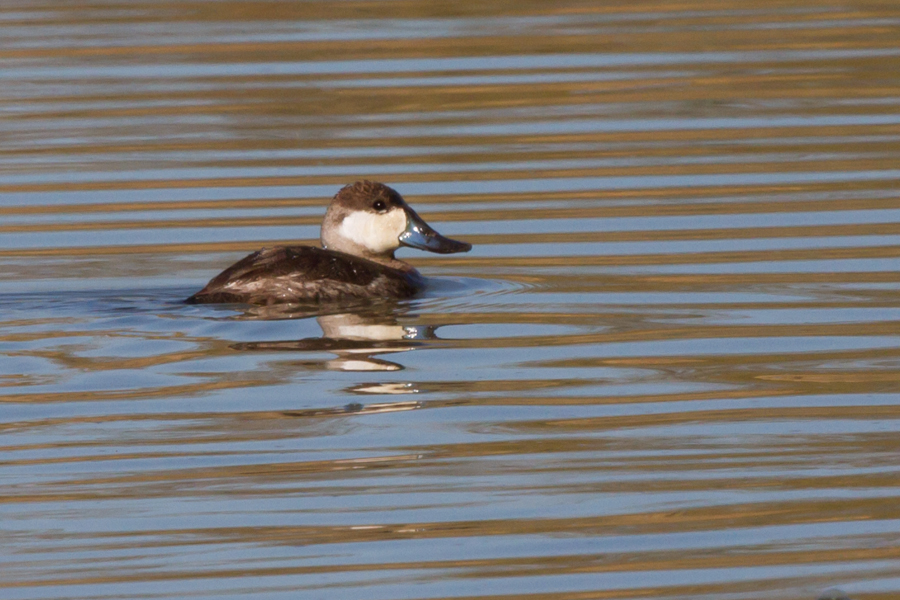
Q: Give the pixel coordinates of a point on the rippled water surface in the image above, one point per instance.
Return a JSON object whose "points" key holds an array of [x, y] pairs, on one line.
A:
{"points": [[668, 369]]}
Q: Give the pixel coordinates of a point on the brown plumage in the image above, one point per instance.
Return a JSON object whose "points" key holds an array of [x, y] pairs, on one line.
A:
{"points": [[304, 273]]}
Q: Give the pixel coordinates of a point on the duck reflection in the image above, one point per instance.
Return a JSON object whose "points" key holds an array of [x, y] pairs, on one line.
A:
{"points": [[354, 338]]}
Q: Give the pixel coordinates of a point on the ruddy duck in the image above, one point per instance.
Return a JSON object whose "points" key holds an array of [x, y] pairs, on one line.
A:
{"points": [[365, 223]]}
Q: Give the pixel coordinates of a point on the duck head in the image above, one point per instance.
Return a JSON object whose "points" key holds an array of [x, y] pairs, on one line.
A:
{"points": [[372, 220]]}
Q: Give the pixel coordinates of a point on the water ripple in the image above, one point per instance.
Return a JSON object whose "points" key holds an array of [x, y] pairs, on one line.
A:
{"points": [[668, 369]]}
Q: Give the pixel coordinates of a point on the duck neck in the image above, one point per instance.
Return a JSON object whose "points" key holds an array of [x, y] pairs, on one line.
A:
{"points": [[347, 247], [388, 260]]}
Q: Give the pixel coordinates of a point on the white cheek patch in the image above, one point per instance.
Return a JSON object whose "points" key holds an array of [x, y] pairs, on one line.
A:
{"points": [[377, 233]]}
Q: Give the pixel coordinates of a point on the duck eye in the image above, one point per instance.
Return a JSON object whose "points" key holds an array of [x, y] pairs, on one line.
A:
{"points": [[379, 205]]}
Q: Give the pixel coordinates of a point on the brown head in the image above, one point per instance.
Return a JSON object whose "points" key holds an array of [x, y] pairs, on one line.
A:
{"points": [[371, 220]]}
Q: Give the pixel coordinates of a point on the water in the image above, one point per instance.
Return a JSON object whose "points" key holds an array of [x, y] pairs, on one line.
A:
{"points": [[668, 369]]}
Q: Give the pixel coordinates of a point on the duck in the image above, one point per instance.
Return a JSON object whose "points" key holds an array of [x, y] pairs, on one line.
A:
{"points": [[364, 225]]}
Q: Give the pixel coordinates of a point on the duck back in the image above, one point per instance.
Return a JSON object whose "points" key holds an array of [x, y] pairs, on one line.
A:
{"points": [[306, 274]]}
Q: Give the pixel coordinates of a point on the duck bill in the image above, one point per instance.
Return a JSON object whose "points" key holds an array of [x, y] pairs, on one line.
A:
{"points": [[418, 234]]}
